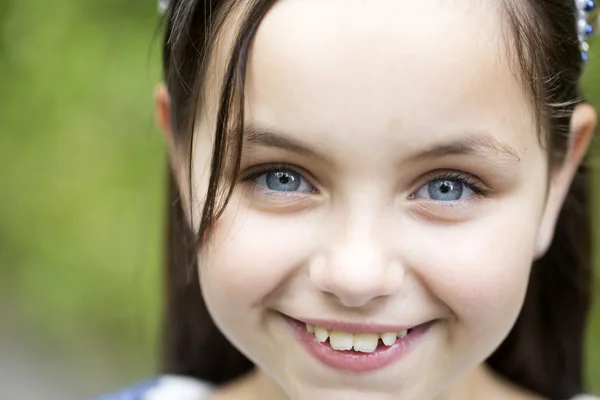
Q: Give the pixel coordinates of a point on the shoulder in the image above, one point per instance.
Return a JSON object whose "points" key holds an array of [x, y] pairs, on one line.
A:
{"points": [[166, 387]]}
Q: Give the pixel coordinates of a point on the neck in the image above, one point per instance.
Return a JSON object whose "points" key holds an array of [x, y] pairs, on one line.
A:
{"points": [[480, 383]]}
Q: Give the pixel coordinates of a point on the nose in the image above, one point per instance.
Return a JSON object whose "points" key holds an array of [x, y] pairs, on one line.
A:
{"points": [[356, 271]]}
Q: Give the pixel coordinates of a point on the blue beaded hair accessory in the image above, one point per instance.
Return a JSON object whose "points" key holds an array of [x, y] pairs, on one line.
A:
{"points": [[584, 28]]}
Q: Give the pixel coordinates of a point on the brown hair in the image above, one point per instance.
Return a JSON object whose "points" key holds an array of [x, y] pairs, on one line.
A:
{"points": [[544, 350]]}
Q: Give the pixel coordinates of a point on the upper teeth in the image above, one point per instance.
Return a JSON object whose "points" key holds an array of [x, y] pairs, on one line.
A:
{"points": [[363, 342]]}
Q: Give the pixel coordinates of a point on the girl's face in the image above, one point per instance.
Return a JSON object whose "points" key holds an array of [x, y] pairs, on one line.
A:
{"points": [[393, 198]]}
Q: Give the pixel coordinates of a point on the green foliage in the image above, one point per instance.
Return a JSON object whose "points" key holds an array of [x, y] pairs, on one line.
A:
{"points": [[591, 87], [82, 181]]}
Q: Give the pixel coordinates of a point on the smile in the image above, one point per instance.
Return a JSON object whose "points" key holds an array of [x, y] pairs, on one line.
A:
{"points": [[356, 347], [362, 342]]}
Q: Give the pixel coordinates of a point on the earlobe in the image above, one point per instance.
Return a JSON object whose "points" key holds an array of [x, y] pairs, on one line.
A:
{"points": [[542, 246]]}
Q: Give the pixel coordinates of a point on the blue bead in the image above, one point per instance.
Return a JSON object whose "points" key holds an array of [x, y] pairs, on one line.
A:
{"points": [[584, 56], [590, 5], [589, 29]]}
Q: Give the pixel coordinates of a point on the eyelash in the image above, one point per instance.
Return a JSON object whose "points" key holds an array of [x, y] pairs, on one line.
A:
{"points": [[258, 170], [473, 183]]}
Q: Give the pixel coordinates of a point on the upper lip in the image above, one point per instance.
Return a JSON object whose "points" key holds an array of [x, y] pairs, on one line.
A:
{"points": [[353, 327]]}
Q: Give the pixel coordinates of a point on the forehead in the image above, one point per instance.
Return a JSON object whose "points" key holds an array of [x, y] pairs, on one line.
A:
{"points": [[385, 66]]}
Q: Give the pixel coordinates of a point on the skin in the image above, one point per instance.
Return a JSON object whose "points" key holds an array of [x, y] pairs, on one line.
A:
{"points": [[361, 241]]}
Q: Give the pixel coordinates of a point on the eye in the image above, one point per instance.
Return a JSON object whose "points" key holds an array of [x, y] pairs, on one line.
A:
{"points": [[450, 187], [281, 179], [444, 190]]}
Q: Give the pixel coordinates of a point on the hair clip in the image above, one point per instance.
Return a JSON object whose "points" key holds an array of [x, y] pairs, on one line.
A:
{"points": [[162, 6], [584, 28]]}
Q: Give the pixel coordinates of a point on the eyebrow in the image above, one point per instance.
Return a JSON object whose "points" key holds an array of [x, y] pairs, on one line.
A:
{"points": [[254, 136], [481, 144]]}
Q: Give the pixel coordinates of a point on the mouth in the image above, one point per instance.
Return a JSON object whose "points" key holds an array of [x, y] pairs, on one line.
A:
{"points": [[358, 342], [355, 347]]}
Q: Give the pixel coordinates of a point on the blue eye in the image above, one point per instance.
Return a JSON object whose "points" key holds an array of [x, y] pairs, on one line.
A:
{"points": [[283, 180], [446, 189]]}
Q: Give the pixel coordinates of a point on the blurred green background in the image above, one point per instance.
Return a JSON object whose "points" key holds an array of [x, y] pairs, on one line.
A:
{"points": [[81, 196], [81, 192]]}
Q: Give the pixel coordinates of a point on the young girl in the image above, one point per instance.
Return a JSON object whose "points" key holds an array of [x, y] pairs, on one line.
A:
{"points": [[375, 200]]}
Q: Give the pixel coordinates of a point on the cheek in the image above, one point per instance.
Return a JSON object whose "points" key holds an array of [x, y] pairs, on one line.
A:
{"points": [[480, 269], [251, 255]]}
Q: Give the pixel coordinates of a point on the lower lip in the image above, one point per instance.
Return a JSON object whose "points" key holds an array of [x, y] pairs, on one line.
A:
{"points": [[350, 360]]}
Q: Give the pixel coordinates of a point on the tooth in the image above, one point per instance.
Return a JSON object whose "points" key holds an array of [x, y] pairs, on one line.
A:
{"points": [[388, 338], [321, 334], [340, 340], [403, 333], [365, 342], [310, 328]]}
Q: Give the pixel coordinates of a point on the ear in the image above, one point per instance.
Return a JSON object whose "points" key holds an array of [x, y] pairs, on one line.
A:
{"points": [[163, 120], [583, 125], [163, 112]]}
